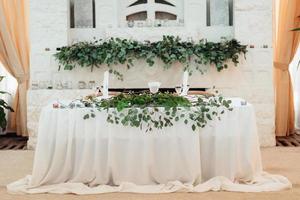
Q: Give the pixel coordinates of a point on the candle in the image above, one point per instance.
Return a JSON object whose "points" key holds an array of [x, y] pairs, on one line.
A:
{"points": [[105, 84], [185, 83], [185, 78]]}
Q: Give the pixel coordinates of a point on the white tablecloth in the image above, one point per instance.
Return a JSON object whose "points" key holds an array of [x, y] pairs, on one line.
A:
{"points": [[92, 156]]}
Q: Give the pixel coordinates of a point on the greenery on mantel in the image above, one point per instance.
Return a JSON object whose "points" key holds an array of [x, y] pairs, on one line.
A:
{"points": [[156, 111], [3, 107], [169, 50]]}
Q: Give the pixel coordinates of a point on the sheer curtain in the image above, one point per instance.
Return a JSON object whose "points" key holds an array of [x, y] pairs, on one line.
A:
{"points": [[14, 55], [295, 74], [285, 46], [8, 84]]}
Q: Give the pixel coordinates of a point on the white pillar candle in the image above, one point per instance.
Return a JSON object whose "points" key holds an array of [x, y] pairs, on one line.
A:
{"points": [[185, 82], [185, 78], [105, 84]]}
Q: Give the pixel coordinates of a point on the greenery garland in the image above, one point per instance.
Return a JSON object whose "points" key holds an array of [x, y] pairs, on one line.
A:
{"points": [[169, 50], [156, 111]]}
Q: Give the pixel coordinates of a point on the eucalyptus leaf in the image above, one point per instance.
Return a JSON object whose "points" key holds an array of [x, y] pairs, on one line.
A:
{"points": [[169, 50], [156, 111]]}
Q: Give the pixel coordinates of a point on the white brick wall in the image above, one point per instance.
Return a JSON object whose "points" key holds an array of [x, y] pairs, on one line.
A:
{"points": [[253, 25], [49, 22], [252, 79]]}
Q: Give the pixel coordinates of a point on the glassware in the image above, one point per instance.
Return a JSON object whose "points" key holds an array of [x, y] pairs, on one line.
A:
{"points": [[97, 91], [154, 87], [81, 85], [165, 22], [178, 89], [34, 85], [149, 23], [243, 103], [58, 85], [74, 41], [92, 84], [140, 24], [181, 22], [190, 39], [70, 85], [185, 90], [130, 24], [42, 84], [65, 85], [49, 85], [188, 88], [159, 23], [101, 89]]}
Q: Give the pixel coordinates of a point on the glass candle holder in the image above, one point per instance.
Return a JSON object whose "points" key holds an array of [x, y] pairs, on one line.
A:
{"points": [[81, 85], [130, 24], [70, 85], [49, 85], [154, 87], [58, 85], [92, 84], [178, 89], [34, 85]]}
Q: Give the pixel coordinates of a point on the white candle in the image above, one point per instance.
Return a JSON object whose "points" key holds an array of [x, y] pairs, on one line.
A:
{"points": [[105, 84], [185, 82], [185, 78]]}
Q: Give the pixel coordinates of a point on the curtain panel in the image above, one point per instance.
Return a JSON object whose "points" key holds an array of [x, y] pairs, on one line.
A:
{"points": [[14, 55], [285, 45]]}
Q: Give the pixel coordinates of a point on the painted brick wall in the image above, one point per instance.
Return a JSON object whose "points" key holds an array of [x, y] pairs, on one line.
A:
{"points": [[252, 79]]}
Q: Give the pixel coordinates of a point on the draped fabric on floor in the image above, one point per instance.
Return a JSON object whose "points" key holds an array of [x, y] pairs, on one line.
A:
{"points": [[286, 18], [92, 156], [14, 55]]}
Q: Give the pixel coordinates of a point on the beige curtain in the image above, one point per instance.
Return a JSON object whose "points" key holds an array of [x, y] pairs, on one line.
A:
{"points": [[285, 45], [14, 55]]}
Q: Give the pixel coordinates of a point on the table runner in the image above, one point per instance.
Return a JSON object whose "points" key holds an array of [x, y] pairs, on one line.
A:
{"points": [[92, 156]]}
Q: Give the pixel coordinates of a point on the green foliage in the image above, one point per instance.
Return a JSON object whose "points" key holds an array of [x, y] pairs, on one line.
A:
{"points": [[3, 106], [156, 111], [169, 50], [127, 100]]}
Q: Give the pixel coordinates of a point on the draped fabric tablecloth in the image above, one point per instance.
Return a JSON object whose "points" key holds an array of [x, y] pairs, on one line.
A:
{"points": [[92, 156]]}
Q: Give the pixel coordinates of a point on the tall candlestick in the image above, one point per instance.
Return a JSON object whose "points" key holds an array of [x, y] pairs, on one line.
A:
{"points": [[185, 83], [105, 84]]}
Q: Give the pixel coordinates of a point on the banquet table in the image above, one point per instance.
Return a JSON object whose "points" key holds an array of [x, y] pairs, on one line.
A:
{"points": [[92, 156]]}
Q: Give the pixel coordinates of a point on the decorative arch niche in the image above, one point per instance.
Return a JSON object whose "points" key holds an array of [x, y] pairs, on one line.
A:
{"points": [[151, 10]]}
